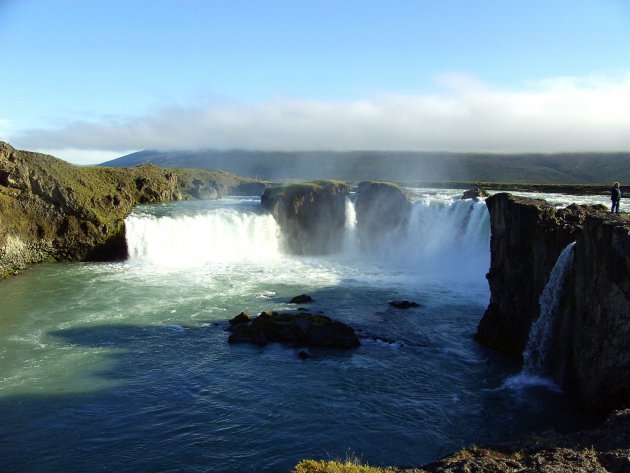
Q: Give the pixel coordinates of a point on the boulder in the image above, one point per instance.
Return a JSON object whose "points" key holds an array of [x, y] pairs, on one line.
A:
{"points": [[301, 299], [478, 193], [404, 304], [301, 329]]}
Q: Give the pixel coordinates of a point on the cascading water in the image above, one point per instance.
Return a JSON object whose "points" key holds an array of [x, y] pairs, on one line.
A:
{"points": [[536, 355], [219, 235], [446, 237], [537, 364]]}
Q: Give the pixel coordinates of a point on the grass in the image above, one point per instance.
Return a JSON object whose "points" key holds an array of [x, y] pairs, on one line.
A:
{"points": [[351, 464]]}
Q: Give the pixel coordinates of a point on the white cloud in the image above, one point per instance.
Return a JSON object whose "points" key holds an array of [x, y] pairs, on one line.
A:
{"points": [[560, 114]]}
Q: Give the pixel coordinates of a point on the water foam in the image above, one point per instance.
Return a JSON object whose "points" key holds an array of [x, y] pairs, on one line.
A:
{"points": [[220, 235], [538, 347], [537, 367], [441, 237]]}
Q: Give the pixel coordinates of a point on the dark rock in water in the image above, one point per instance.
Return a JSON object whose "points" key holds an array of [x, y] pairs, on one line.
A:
{"points": [[591, 332], [477, 194], [241, 318], [404, 304], [301, 299], [312, 215], [382, 210], [294, 329], [303, 355]]}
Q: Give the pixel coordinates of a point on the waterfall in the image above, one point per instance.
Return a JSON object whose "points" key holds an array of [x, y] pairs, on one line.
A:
{"points": [[350, 243], [218, 235], [441, 237], [539, 345]]}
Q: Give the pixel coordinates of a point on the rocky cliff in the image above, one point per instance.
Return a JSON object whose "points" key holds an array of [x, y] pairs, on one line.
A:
{"points": [[51, 210], [312, 215], [382, 210], [591, 339]]}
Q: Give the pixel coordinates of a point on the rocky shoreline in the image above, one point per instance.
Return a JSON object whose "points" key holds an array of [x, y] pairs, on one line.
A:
{"points": [[602, 450]]}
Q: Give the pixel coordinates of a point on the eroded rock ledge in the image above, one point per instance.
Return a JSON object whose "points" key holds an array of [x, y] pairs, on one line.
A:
{"points": [[591, 336], [51, 210]]}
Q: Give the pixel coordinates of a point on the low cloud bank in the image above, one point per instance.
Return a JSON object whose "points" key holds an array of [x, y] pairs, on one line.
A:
{"points": [[564, 114]]}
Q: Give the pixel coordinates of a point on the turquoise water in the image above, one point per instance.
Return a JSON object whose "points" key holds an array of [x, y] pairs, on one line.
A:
{"points": [[126, 367]]}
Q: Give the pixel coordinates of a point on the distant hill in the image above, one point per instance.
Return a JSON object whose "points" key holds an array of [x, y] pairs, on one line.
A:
{"points": [[564, 168]]}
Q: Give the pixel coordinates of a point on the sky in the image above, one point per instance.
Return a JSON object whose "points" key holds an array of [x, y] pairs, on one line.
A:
{"points": [[89, 81]]}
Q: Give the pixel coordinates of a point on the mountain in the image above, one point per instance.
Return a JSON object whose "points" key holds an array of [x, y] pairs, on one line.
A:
{"points": [[562, 168]]}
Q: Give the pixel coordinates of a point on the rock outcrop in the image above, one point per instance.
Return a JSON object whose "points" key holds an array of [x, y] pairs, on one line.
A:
{"points": [[592, 328], [382, 210], [601, 450], [476, 193], [51, 210], [311, 215], [301, 329]]}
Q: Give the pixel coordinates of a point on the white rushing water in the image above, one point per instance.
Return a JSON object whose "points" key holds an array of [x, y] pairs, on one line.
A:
{"points": [[537, 369], [536, 355], [443, 236], [222, 235]]}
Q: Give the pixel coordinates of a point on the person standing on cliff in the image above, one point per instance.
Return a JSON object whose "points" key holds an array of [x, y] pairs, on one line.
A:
{"points": [[615, 196]]}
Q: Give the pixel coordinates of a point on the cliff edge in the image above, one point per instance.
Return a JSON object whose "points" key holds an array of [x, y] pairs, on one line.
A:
{"points": [[51, 210], [591, 331]]}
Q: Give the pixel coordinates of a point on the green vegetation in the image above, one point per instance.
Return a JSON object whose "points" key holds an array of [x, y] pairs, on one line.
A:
{"points": [[350, 465], [289, 190]]}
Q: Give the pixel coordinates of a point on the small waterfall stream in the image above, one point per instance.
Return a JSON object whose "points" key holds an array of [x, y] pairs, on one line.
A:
{"points": [[538, 366]]}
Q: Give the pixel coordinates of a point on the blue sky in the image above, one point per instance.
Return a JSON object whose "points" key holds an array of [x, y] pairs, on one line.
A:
{"points": [[91, 80]]}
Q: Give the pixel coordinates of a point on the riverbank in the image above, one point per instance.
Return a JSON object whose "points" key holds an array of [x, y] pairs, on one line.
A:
{"points": [[605, 449]]}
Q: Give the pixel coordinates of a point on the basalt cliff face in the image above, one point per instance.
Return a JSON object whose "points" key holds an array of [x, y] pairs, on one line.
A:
{"points": [[51, 210], [312, 215], [591, 332], [382, 210]]}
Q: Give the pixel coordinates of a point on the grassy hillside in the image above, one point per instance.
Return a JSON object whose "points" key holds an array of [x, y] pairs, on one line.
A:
{"points": [[51, 210], [577, 168]]}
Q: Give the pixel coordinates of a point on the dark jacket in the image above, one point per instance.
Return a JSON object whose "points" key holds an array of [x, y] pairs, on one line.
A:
{"points": [[615, 194]]}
